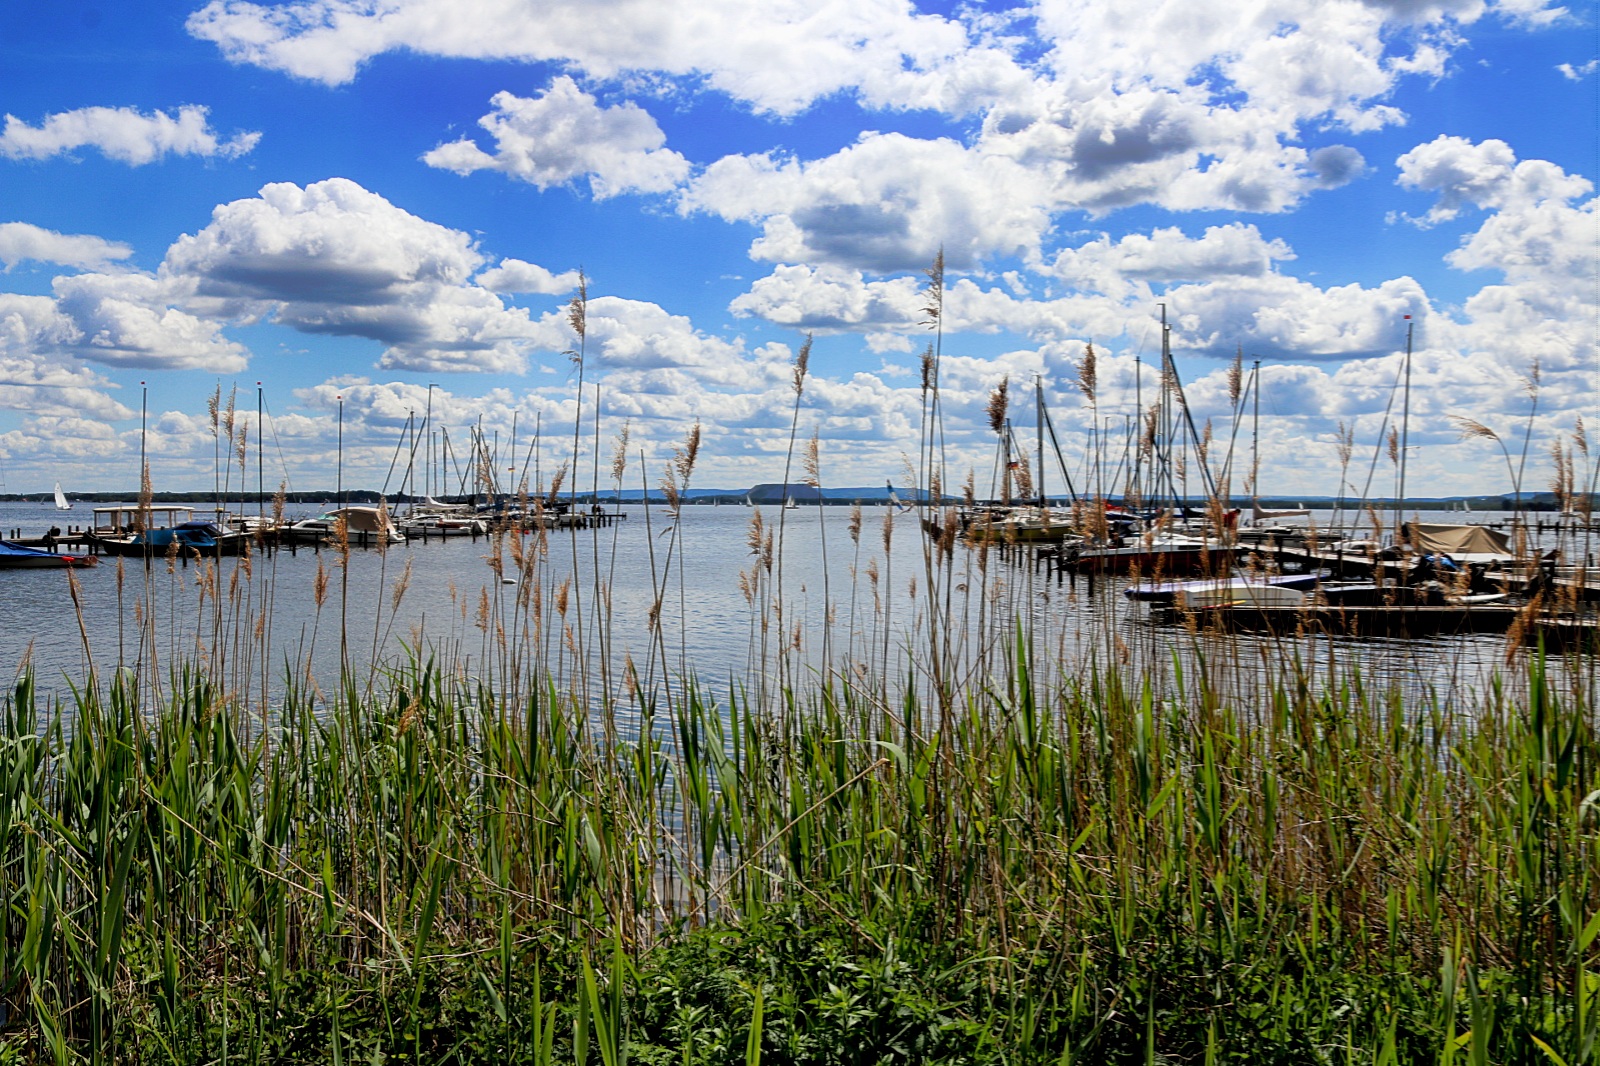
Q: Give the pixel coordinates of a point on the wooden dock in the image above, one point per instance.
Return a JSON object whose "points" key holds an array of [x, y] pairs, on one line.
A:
{"points": [[1352, 621]]}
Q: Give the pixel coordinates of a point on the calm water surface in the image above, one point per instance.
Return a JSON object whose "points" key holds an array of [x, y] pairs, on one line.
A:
{"points": [[452, 601]]}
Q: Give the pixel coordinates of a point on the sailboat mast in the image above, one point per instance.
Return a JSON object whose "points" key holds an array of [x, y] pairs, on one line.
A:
{"points": [[427, 451], [1255, 430], [1138, 428], [1405, 427], [261, 438], [144, 408], [1038, 396]]}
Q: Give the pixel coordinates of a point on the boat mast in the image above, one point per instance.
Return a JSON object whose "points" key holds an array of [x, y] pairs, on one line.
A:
{"points": [[144, 407], [1405, 427], [1255, 430], [427, 452], [1169, 367], [261, 438], [1138, 429], [1038, 395]]}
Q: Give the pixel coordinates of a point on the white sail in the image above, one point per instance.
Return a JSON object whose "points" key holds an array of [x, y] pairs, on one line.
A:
{"points": [[61, 499]]}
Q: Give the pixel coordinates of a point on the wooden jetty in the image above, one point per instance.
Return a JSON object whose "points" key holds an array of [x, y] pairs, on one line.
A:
{"points": [[1377, 621]]}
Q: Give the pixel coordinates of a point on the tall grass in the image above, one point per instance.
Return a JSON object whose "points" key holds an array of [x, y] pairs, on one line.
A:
{"points": [[1101, 870]]}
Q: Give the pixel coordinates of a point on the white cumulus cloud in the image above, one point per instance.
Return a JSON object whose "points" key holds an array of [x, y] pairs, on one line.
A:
{"points": [[123, 134], [334, 258], [21, 241], [564, 135], [779, 56], [517, 275]]}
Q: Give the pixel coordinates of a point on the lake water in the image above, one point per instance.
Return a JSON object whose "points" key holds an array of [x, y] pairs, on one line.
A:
{"points": [[845, 601]]}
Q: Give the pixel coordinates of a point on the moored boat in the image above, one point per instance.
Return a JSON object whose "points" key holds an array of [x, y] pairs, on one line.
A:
{"points": [[22, 557], [154, 530], [364, 526]]}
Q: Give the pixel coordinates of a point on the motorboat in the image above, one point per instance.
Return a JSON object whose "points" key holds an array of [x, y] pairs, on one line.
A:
{"points": [[22, 557], [364, 526], [1276, 590], [158, 529], [433, 524]]}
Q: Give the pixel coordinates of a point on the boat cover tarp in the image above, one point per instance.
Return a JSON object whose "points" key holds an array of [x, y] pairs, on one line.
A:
{"points": [[20, 550], [1457, 540], [363, 519]]}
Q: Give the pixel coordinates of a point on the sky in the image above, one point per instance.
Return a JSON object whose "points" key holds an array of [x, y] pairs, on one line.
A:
{"points": [[355, 215]]}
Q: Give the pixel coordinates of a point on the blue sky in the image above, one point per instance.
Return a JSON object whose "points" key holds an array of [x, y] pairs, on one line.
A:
{"points": [[350, 201]]}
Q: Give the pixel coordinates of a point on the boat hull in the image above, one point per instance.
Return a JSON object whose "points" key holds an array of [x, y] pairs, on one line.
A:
{"points": [[20, 557]]}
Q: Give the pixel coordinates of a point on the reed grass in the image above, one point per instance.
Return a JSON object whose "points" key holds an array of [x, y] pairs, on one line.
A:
{"points": [[1108, 867]]}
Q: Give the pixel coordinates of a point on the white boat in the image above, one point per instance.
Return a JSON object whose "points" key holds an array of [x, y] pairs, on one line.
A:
{"points": [[62, 503], [363, 525], [1213, 591], [427, 526]]}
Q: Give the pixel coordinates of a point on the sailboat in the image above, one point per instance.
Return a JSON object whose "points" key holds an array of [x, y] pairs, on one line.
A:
{"points": [[62, 503]]}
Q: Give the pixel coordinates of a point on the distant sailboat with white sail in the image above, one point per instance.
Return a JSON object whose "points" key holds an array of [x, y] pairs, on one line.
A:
{"points": [[62, 503]]}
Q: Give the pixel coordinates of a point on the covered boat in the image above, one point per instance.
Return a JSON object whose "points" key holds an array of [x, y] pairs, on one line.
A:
{"points": [[1463, 544], [363, 525]]}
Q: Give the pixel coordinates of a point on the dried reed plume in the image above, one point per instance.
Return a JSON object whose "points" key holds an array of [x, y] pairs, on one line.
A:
{"points": [[927, 369], [1236, 378], [1471, 427], [812, 461], [555, 484], [997, 404], [802, 360], [619, 457], [1087, 374], [1345, 443], [1023, 476], [578, 312], [400, 586], [1394, 446], [1562, 480], [141, 517], [933, 310], [685, 457], [855, 523], [1579, 437], [229, 413]]}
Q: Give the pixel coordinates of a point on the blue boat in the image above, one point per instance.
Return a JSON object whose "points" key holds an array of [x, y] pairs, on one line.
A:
{"points": [[22, 557], [158, 530]]}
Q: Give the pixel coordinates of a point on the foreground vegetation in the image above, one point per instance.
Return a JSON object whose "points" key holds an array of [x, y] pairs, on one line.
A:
{"points": [[1101, 871]]}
